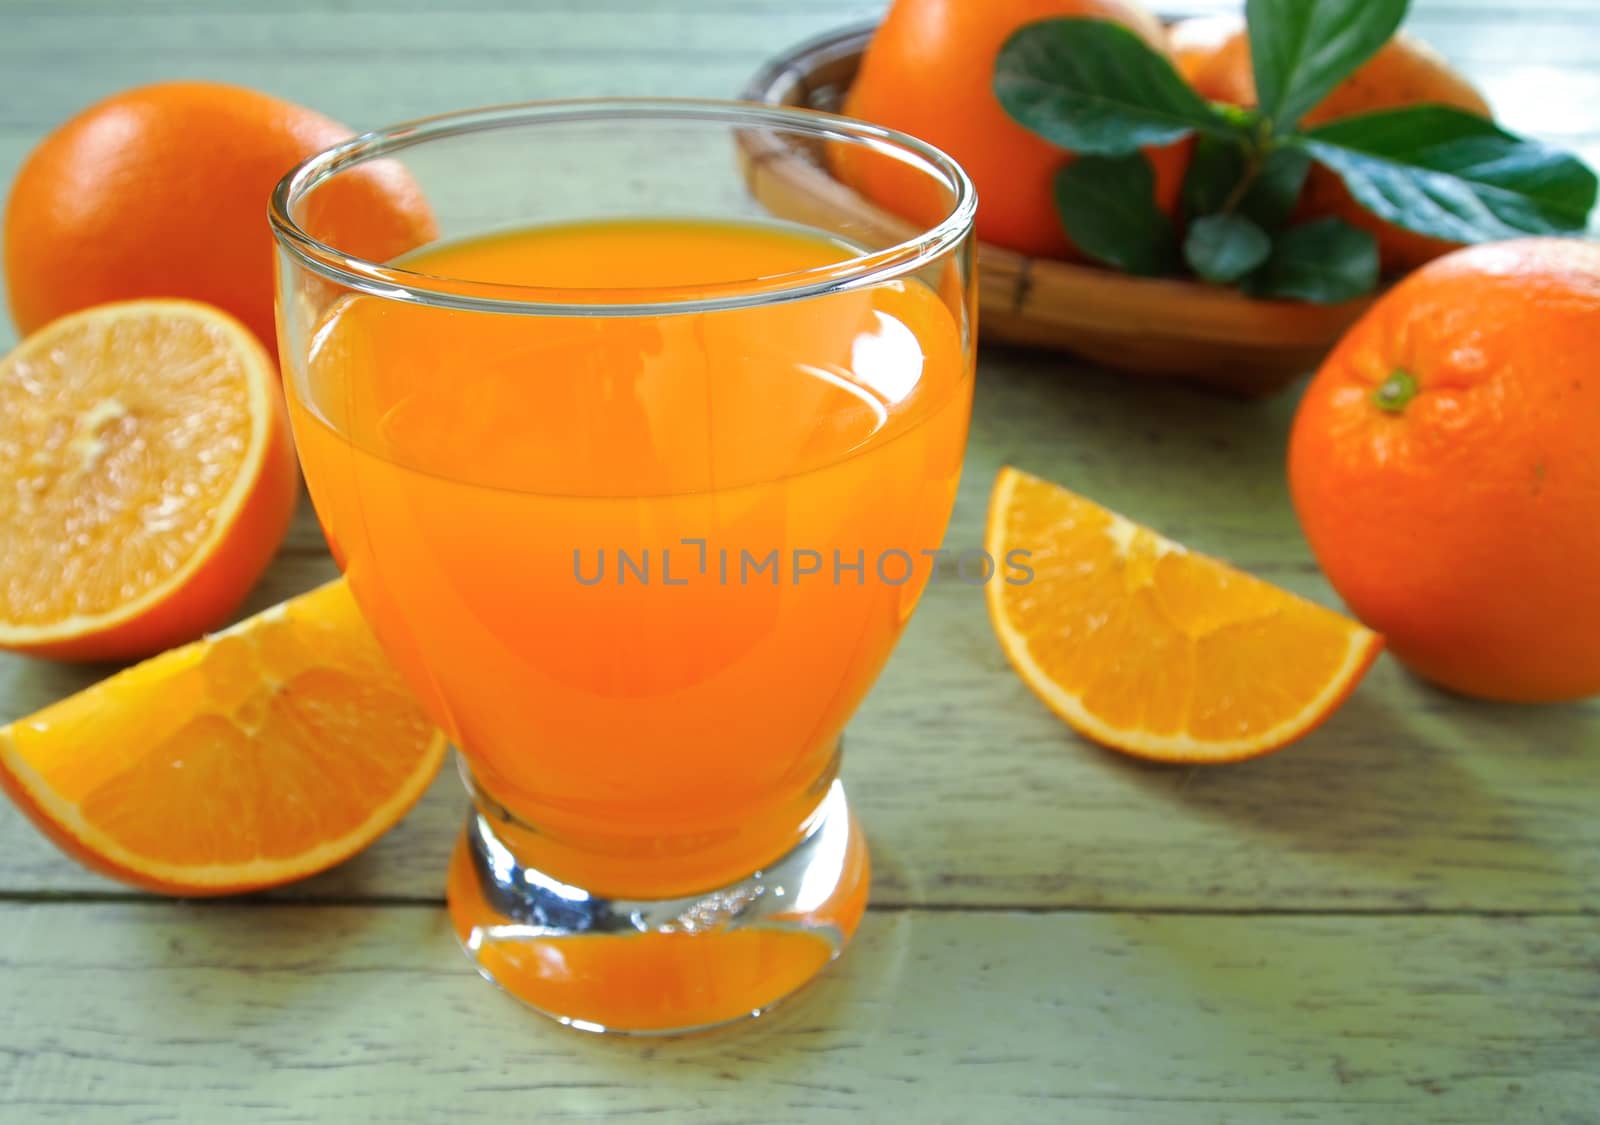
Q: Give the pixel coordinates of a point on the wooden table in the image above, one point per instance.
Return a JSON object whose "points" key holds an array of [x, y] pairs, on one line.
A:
{"points": [[1395, 921]]}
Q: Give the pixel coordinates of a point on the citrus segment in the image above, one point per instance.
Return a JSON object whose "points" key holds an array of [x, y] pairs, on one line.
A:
{"points": [[146, 478], [1146, 647], [255, 757]]}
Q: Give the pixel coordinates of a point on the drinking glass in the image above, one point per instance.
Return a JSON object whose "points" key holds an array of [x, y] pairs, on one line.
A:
{"points": [[637, 486]]}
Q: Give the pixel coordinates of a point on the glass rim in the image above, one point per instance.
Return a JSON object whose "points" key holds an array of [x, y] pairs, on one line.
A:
{"points": [[398, 283]]}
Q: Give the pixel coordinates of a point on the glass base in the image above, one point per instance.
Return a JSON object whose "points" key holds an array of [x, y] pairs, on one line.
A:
{"points": [[660, 966]]}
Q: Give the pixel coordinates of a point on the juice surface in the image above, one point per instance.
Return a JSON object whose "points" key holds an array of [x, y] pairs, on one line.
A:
{"points": [[510, 496]]}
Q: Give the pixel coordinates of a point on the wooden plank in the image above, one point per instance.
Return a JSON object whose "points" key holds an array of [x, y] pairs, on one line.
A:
{"points": [[611, 30], [973, 793], [369, 96], [151, 1013], [84, 11]]}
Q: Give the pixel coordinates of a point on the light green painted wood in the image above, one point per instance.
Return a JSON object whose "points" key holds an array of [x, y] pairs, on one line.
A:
{"points": [[205, 1014], [1313, 937]]}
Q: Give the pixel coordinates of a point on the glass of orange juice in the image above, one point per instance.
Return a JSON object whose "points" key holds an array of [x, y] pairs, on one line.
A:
{"points": [[638, 487]]}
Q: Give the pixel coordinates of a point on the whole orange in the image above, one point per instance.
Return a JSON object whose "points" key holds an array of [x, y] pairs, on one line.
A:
{"points": [[1213, 53], [929, 71], [1405, 72], [1445, 467], [161, 191]]}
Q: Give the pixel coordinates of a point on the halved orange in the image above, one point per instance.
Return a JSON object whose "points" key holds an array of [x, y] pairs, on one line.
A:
{"points": [[1151, 649], [146, 479], [255, 757]]}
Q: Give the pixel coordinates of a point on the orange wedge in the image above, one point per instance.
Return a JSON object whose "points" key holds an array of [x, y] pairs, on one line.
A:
{"points": [[255, 757], [146, 479], [1151, 649]]}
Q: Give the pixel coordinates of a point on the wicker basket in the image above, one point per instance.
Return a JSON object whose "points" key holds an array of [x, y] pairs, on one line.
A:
{"points": [[1181, 329]]}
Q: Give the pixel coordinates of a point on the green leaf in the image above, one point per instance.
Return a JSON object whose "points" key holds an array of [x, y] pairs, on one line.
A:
{"points": [[1108, 207], [1272, 195], [1215, 169], [1223, 248], [1214, 182], [1096, 87], [1302, 49], [1453, 175], [1326, 262]]}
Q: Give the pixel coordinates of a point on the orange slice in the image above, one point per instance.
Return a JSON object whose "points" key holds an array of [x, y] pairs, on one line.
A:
{"points": [[1151, 649], [255, 757], [146, 479]]}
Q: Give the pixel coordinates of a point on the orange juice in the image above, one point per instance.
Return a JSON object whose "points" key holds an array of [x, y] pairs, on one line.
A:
{"points": [[641, 568]]}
